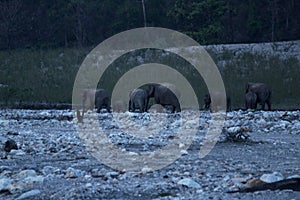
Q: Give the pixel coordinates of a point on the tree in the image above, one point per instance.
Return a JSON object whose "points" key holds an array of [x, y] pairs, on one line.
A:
{"points": [[9, 18], [202, 20]]}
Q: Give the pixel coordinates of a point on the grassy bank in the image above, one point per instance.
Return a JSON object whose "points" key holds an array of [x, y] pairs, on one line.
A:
{"points": [[30, 75], [39, 75]]}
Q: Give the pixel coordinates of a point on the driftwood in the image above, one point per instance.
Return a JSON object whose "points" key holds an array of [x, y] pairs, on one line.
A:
{"points": [[286, 184]]}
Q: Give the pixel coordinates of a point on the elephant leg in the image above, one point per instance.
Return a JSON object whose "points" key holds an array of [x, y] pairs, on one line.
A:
{"points": [[173, 109], [107, 105], [146, 105], [263, 105], [129, 106], [132, 106], [269, 104], [178, 109], [141, 106], [255, 105], [98, 109]]}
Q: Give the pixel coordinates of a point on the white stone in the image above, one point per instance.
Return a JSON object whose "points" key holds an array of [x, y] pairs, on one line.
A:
{"points": [[29, 194], [5, 184], [26, 173], [294, 176], [271, 178], [15, 152], [189, 183]]}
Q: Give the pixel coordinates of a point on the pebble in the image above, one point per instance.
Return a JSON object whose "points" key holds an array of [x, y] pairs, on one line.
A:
{"points": [[42, 135], [189, 183], [5, 184], [28, 195], [112, 174], [270, 178], [73, 173]]}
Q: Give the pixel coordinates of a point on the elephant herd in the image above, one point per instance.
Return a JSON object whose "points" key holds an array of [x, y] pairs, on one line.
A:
{"points": [[256, 93], [166, 95]]}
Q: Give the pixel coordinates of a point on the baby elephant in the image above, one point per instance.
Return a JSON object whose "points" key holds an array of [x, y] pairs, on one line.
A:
{"points": [[250, 100], [102, 100], [207, 101], [138, 99]]}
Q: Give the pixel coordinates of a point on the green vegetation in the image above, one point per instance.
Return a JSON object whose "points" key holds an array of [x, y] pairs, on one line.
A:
{"points": [[48, 75], [39, 75]]}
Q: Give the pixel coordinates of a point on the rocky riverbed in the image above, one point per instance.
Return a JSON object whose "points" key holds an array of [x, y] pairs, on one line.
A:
{"points": [[53, 162]]}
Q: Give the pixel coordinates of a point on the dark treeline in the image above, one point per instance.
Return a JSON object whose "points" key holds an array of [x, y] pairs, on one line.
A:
{"points": [[80, 23]]}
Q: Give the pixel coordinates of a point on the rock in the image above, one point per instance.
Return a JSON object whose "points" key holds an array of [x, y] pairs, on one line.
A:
{"points": [[29, 195], [146, 169], [32, 180], [12, 133], [89, 179], [9, 145], [32, 166], [18, 152], [112, 174], [74, 173], [293, 176], [189, 183], [49, 170], [96, 173], [254, 183], [271, 178], [26, 173], [235, 129], [5, 184], [3, 168]]}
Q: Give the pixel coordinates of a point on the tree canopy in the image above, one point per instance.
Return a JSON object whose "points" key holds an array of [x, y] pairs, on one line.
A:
{"points": [[80, 23]]}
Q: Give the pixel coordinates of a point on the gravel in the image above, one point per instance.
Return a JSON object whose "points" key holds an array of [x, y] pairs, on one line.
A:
{"points": [[53, 162]]}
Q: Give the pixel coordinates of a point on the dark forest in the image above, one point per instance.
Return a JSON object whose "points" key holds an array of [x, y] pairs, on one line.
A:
{"points": [[79, 23]]}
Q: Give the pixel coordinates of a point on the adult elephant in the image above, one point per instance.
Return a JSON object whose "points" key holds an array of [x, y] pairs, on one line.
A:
{"points": [[164, 94], [138, 99], [95, 98], [263, 93], [250, 100]]}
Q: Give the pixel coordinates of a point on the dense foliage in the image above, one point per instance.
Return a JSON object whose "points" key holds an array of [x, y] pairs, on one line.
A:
{"points": [[69, 23]]}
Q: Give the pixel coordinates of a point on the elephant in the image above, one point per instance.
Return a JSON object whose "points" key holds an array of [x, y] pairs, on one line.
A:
{"points": [[98, 99], [207, 102], [263, 93], [250, 100], [138, 99], [164, 94]]}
